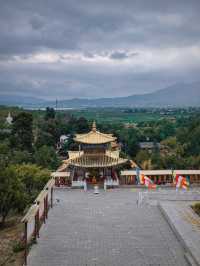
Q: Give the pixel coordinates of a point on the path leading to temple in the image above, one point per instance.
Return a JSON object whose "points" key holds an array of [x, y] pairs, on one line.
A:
{"points": [[107, 229]]}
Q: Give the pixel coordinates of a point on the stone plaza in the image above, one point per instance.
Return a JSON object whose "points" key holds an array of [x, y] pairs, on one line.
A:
{"points": [[110, 228]]}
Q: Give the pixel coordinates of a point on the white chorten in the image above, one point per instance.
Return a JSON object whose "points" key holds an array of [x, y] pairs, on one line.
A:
{"points": [[9, 119]]}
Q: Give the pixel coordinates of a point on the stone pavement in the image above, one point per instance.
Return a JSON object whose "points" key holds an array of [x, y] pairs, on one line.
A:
{"points": [[186, 224], [84, 229], [153, 197]]}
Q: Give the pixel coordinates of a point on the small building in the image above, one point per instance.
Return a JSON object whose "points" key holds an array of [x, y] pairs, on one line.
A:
{"points": [[149, 146], [9, 119], [64, 139], [130, 125]]}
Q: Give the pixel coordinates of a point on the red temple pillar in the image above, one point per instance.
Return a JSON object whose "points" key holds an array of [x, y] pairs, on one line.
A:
{"points": [[51, 197], [25, 243]]}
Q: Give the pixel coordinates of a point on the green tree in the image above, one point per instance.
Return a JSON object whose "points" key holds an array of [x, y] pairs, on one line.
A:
{"points": [[12, 194], [19, 157], [33, 178], [50, 113], [82, 125], [22, 135], [129, 139], [44, 138], [142, 156], [157, 161], [46, 157], [51, 127], [5, 154], [170, 142], [72, 127], [164, 129]]}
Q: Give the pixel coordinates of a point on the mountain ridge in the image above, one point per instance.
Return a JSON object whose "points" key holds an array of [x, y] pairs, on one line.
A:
{"points": [[177, 95]]}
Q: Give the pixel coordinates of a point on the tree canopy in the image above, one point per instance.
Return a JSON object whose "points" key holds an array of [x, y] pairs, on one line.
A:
{"points": [[22, 131]]}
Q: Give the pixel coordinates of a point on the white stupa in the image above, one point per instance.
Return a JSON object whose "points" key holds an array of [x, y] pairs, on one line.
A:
{"points": [[9, 119]]}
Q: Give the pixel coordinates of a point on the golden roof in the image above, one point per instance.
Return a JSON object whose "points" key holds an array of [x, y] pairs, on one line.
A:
{"points": [[94, 137], [113, 154], [95, 160], [74, 154]]}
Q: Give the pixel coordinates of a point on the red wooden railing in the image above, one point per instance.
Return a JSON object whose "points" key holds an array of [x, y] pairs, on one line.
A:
{"points": [[36, 216]]}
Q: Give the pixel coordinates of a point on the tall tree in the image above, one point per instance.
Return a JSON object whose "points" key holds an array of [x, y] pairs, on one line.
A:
{"points": [[50, 113], [82, 125], [22, 131], [5, 155]]}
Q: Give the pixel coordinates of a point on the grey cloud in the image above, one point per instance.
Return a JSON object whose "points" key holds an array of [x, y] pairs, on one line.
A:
{"points": [[88, 25], [37, 22], [89, 55], [68, 81], [109, 29], [119, 55]]}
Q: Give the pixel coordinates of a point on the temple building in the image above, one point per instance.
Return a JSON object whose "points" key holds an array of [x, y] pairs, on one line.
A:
{"points": [[96, 160]]}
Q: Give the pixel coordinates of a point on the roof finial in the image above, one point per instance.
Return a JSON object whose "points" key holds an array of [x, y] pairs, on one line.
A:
{"points": [[94, 126]]}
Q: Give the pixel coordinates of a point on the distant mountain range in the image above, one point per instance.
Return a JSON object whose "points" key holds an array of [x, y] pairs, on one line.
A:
{"points": [[178, 95], [21, 101]]}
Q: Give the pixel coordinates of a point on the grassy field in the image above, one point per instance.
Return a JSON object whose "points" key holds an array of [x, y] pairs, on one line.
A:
{"points": [[107, 115], [112, 115]]}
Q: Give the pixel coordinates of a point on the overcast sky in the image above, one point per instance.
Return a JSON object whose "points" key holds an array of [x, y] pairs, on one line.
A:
{"points": [[97, 48]]}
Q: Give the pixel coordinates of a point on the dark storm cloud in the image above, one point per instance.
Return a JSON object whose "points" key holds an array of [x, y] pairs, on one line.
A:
{"points": [[119, 55], [96, 48]]}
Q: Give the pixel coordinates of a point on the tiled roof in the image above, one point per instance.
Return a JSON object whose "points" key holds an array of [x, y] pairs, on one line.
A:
{"points": [[94, 160], [94, 137]]}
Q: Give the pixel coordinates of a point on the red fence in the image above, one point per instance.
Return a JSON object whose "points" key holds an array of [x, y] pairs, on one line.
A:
{"points": [[36, 216], [62, 181]]}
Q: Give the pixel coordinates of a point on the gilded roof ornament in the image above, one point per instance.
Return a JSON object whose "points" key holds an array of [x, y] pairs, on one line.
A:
{"points": [[94, 128]]}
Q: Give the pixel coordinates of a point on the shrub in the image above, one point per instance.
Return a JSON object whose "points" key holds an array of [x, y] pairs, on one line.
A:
{"points": [[196, 208], [17, 246]]}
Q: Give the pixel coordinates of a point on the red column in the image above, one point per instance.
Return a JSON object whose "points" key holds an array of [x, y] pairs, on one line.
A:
{"points": [[47, 206], [25, 243], [35, 230], [51, 197], [56, 181], [44, 213], [38, 224]]}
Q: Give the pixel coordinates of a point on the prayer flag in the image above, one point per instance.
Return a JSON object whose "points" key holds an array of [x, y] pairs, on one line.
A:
{"points": [[182, 182], [144, 180]]}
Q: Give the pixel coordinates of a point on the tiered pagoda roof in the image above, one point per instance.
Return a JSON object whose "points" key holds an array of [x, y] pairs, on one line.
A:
{"points": [[94, 160], [94, 137]]}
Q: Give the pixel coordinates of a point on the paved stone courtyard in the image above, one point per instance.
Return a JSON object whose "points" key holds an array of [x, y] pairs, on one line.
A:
{"points": [[84, 229]]}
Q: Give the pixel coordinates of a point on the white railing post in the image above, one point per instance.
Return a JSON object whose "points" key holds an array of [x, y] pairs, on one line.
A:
{"points": [[105, 185], [85, 185]]}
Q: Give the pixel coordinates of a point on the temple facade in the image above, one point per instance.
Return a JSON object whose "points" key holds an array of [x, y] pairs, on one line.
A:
{"points": [[95, 162]]}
